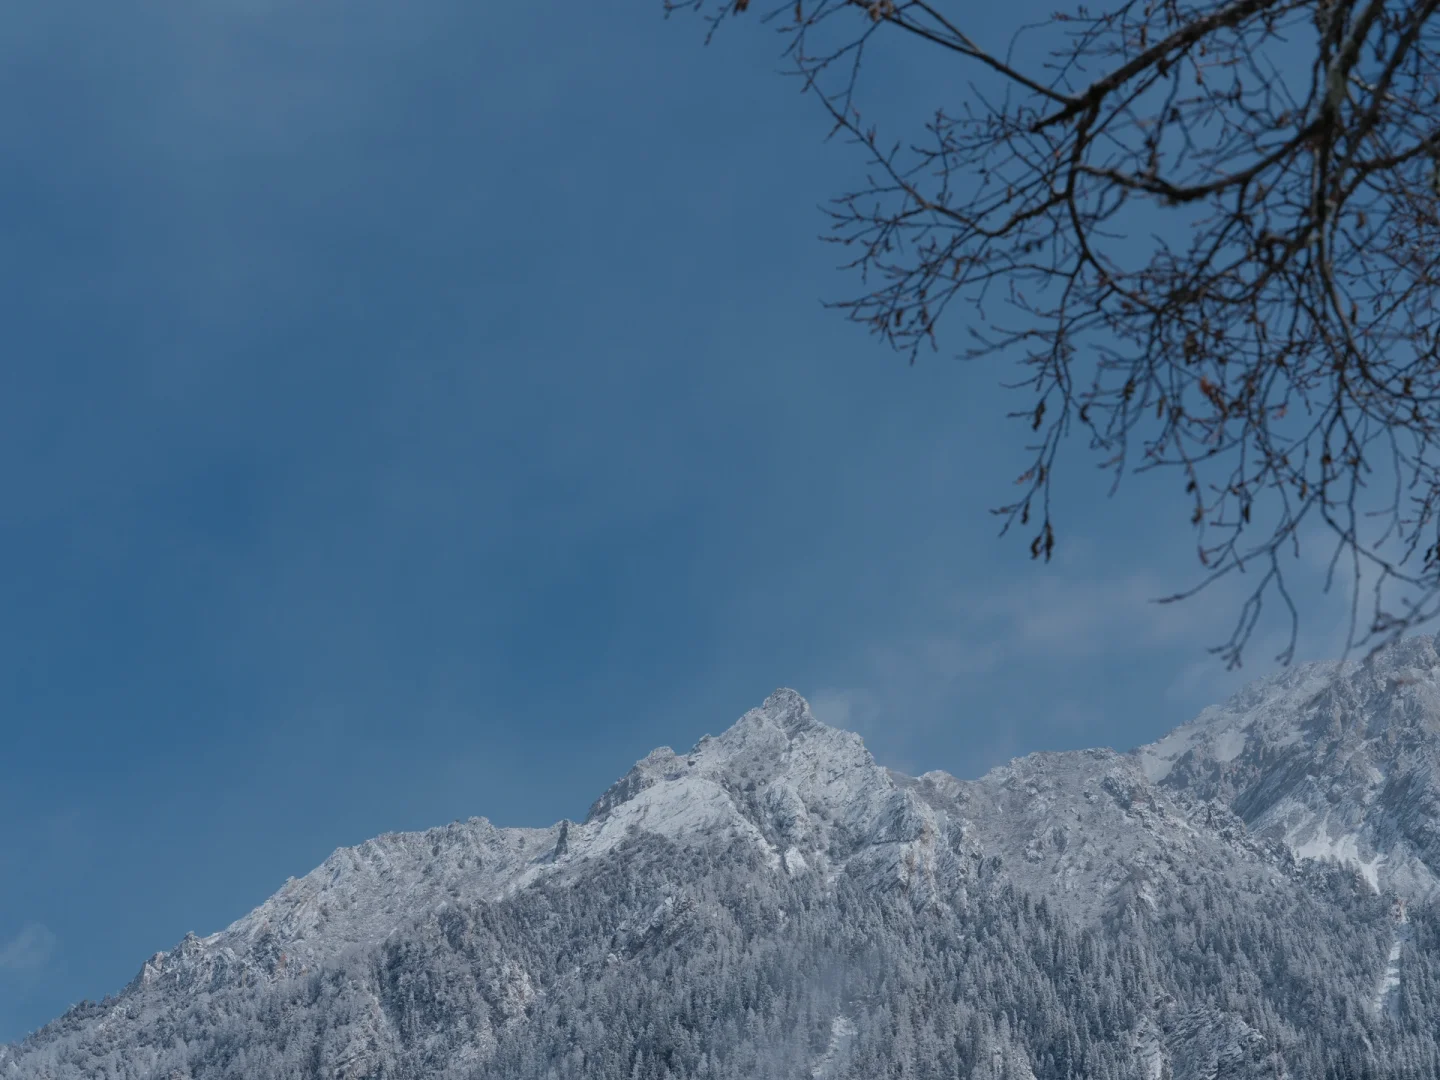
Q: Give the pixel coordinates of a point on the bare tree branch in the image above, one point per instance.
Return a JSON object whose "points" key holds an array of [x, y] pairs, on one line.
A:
{"points": [[1277, 343]]}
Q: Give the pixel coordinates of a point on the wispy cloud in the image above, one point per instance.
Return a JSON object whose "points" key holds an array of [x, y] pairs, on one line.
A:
{"points": [[1058, 619], [854, 708], [31, 948], [1061, 657], [1085, 617], [1042, 661]]}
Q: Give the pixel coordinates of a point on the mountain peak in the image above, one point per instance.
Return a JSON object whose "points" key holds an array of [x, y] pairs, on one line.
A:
{"points": [[781, 742], [790, 711]]}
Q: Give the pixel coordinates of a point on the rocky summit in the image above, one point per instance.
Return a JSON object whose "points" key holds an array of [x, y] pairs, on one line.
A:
{"points": [[1254, 895]]}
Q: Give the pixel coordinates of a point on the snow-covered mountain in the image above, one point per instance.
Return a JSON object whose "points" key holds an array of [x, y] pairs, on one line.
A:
{"points": [[1338, 761], [773, 903]]}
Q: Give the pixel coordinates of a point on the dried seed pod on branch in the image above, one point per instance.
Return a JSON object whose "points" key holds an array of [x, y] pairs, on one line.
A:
{"points": [[1276, 341]]}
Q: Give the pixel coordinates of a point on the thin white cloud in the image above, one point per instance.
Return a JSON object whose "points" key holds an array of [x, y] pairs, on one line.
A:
{"points": [[1086, 617], [1048, 629], [31, 948], [1014, 666], [848, 709]]}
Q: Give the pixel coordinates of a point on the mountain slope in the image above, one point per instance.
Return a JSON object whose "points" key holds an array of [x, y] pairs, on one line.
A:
{"points": [[1333, 760], [774, 903]]}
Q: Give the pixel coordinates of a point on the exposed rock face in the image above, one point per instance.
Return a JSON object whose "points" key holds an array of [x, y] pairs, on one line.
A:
{"points": [[1334, 761], [773, 903]]}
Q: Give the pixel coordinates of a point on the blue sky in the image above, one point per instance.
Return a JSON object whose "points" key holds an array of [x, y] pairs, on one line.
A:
{"points": [[420, 411]]}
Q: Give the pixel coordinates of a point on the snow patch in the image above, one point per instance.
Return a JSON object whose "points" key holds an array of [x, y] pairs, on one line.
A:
{"points": [[1150, 1049], [1229, 744], [1387, 996], [1343, 849], [842, 1031]]}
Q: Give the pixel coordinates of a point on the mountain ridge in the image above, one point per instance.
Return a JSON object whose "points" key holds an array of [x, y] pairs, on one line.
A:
{"points": [[1267, 804]]}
